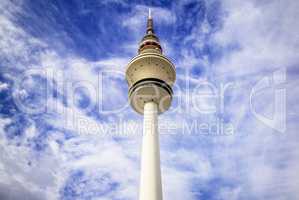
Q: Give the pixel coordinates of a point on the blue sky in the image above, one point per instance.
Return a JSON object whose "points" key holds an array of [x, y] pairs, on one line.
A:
{"points": [[67, 132]]}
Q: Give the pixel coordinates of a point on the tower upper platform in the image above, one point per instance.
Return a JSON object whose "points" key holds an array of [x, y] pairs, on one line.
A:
{"points": [[150, 75]]}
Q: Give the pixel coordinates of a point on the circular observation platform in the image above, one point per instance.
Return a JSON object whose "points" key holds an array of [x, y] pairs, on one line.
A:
{"points": [[150, 77]]}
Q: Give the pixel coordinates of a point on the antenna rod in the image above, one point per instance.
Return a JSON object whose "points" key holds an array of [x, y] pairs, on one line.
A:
{"points": [[149, 27], [149, 13]]}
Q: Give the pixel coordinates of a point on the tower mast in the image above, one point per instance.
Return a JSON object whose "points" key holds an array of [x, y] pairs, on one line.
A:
{"points": [[150, 76], [150, 177]]}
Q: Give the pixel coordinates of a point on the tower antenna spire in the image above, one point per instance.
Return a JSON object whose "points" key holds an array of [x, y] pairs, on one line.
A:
{"points": [[149, 13], [149, 27]]}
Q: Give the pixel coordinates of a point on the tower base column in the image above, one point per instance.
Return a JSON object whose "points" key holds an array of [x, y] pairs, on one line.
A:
{"points": [[150, 178]]}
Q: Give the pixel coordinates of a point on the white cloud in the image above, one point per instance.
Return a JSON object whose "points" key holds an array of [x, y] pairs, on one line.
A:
{"points": [[3, 86], [266, 37]]}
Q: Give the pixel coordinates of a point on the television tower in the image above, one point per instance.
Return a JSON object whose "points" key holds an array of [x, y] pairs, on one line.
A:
{"points": [[150, 76]]}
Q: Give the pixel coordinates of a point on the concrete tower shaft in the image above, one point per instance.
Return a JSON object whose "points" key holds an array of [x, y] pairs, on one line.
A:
{"points": [[150, 177]]}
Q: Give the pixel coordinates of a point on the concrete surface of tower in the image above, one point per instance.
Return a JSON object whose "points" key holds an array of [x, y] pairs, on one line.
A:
{"points": [[150, 76]]}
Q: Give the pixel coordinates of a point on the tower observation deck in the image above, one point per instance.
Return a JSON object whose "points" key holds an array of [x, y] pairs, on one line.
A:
{"points": [[150, 76]]}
